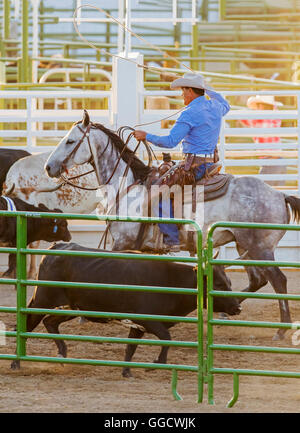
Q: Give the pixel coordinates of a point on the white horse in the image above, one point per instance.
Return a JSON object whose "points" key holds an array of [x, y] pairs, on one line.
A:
{"points": [[247, 200], [27, 180]]}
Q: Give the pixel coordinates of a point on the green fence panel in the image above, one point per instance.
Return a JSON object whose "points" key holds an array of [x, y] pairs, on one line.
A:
{"points": [[211, 322], [21, 310], [205, 368]]}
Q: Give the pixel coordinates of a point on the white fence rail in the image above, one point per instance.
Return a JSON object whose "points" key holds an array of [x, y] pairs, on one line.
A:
{"points": [[234, 151]]}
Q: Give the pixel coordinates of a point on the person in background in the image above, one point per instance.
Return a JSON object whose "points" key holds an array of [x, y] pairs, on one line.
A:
{"points": [[266, 102]]}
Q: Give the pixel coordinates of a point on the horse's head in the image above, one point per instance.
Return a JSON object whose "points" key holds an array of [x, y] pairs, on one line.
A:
{"points": [[89, 142], [73, 149]]}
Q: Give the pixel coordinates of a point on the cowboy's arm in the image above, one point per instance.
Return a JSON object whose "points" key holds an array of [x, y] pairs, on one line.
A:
{"points": [[177, 133], [218, 97]]}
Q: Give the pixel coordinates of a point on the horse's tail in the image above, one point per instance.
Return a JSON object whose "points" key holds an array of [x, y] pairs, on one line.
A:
{"points": [[294, 203]]}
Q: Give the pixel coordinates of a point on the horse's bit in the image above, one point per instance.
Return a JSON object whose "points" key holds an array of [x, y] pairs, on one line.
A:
{"points": [[85, 134]]}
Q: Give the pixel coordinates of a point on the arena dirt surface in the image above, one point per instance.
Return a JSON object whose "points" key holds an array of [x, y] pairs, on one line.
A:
{"points": [[44, 387]]}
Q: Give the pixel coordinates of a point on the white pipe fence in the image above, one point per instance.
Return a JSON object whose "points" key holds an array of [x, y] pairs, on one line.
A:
{"points": [[232, 147], [33, 117], [234, 152]]}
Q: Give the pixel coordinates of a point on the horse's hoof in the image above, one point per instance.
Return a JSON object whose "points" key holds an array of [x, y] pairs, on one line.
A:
{"points": [[127, 374], [278, 337], [15, 365], [8, 274], [59, 355], [155, 361]]}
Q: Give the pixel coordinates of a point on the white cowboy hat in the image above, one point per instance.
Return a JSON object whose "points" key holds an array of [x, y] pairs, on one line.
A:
{"points": [[190, 80], [263, 99]]}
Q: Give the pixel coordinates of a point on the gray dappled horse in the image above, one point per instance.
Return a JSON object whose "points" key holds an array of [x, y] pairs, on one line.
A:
{"points": [[247, 200]]}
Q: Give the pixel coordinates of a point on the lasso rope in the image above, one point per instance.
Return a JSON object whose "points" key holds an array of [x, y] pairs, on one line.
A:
{"points": [[155, 47]]}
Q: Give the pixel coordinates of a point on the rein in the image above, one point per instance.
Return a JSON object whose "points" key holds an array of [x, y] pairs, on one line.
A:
{"points": [[120, 132], [86, 134]]}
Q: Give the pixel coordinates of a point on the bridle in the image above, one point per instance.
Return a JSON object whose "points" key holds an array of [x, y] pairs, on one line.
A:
{"points": [[86, 134], [66, 180]]}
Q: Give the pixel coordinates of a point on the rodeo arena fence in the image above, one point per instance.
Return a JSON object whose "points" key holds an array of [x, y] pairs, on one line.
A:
{"points": [[27, 118], [124, 105], [205, 345]]}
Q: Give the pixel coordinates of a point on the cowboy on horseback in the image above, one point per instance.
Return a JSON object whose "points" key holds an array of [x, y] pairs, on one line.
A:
{"points": [[198, 127]]}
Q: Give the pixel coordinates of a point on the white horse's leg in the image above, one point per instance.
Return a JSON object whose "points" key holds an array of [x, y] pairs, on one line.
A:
{"points": [[257, 280], [33, 266], [279, 283]]}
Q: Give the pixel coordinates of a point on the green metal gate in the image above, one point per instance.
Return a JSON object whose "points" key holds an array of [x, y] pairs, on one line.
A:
{"points": [[205, 368], [21, 311], [211, 322]]}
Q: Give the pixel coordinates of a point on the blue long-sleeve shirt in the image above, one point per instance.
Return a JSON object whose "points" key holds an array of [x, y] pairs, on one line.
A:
{"points": [[198, 126]]}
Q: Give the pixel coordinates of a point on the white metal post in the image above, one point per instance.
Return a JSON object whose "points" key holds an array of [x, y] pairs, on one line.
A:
{"points": [[194, 12], [127, 84], [35, 53], [128, 25], [28, 121], [78, 14], [298, 140], [35, 38], [174, 12], [120, 28], [17, 9]]}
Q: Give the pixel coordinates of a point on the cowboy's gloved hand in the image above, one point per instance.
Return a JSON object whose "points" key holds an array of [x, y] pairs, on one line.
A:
{"points": [[140, 135]]}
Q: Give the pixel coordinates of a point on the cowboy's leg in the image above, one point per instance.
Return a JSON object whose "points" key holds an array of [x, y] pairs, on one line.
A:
{"points": [[200, 170], [170, 231]]}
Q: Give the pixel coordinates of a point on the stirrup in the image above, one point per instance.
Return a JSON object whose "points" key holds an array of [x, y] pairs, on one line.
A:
{"points": [[213, 170], [173, 248]]}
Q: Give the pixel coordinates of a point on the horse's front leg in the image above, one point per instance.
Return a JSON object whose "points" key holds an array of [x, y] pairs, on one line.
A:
{"points": [[33, 262], [257, 280], [255, 274]]}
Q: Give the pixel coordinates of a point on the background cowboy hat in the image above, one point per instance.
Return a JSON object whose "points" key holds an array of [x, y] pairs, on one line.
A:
{"points": [[262, 99]]}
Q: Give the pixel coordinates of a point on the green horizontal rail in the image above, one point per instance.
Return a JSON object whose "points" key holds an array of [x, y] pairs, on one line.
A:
{"points": [[246, 372], [266, 349], [96, 339], [107, 363], [118, 316], [249, 323], [139, 288], [8, 309], [9, 333], [8, 281], [255, 263], [289, 297], [121, 256]]}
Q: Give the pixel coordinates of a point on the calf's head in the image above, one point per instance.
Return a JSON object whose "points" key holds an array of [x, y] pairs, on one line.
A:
{"points": [[56, 229], [229, 305]]}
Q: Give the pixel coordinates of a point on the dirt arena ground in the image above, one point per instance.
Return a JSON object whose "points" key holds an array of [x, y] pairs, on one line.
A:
{"points": [[42, 387]]}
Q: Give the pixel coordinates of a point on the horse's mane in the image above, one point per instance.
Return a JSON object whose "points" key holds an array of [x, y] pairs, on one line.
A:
{"points": [[139, 169]]}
